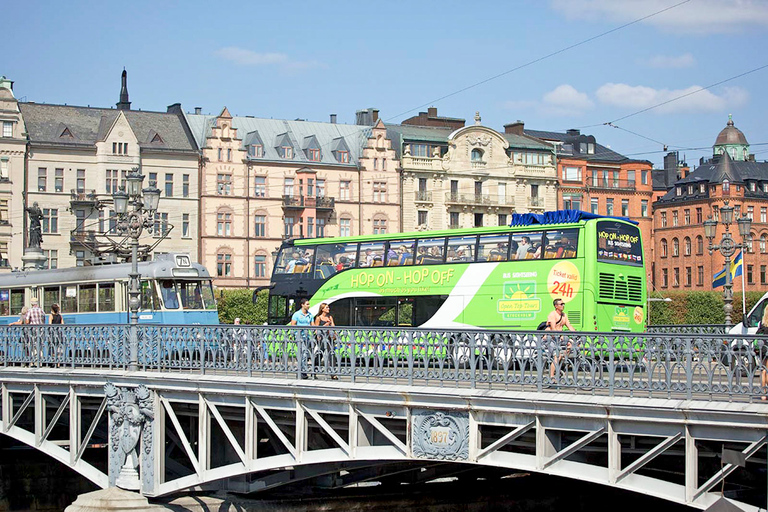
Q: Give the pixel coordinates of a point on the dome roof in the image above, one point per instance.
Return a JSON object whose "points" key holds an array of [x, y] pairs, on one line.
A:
{"points": [[730, 135]]}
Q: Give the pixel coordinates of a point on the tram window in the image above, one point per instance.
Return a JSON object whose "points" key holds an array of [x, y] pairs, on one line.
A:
{"points": [[493, 247], [5, 298], [561, 243], [401, 252], [106, 296], [149, 299], [207, 292], [191, 296], [170, 294], [87, 298], [50, 296], [430, 251], [371, 254], [17, 301], [528, 245], [461, 249], [69, 299]]}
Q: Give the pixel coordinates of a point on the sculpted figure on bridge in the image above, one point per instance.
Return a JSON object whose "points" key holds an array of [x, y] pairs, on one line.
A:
{"points": [[130, 412]]}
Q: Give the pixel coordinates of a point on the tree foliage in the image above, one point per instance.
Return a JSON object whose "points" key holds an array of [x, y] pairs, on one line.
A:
{"points": [[238, 303], [696, 307]]}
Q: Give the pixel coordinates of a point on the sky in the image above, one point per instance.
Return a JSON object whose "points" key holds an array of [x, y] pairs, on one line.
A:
{"points": [[554, 64]]}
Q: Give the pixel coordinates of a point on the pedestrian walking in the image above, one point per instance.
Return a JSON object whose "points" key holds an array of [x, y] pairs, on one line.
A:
{"points": [[55, 316], [303, 318], [35, 315], [324, 319], [556, 320], [762, 329]]}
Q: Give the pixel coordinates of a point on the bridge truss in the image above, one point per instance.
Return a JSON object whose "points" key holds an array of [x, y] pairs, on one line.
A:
{"points": [[248, 434]]}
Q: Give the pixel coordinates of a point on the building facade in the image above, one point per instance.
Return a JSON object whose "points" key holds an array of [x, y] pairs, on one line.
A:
{"points": [[13, 147], [77, 157], [266, 180], [464, 176], [682, 260]]}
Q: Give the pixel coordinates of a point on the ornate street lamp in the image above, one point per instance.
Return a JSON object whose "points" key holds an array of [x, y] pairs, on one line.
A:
{"points": [[131, 222], [727, 248]]}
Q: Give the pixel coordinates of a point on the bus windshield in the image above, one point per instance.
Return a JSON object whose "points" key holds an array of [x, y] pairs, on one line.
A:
{"points": [[618, 242]]}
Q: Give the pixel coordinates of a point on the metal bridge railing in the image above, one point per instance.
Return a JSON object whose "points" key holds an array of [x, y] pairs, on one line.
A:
{"points": [[701, 366], [689, 328]]}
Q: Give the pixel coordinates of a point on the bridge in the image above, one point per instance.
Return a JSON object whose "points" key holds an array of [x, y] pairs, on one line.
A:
{"points": [[245, 409]]}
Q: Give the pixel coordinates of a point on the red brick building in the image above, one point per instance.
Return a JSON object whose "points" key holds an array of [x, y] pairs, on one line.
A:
{"points": [[681, 256]]}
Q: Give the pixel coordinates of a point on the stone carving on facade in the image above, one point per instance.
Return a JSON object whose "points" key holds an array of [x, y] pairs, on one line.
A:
{"points": [[407, 150], [440, 435], [130, 436], [479, 140]]}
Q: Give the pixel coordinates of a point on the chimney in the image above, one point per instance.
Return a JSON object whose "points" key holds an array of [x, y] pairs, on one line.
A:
{"points": [[432, 112], [516, 128], [573, 132], [174, 109], [375, 115], [198, 110], [333, 118]]}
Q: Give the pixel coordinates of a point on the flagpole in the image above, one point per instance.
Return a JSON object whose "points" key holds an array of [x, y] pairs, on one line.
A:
{"points": [[743, 293]]}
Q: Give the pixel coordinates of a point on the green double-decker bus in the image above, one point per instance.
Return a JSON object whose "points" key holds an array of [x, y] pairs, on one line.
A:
{"points": [[500, 278]]}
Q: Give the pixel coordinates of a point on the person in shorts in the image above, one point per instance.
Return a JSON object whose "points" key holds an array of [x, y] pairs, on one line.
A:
{"points": [[558, 346]]}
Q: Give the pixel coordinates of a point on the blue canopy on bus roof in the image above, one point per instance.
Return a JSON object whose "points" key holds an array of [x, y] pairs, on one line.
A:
{"points": [[558, 217]]}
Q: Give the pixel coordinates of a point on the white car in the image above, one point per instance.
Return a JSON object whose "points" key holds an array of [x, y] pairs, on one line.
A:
{"points": [[753, 318]]}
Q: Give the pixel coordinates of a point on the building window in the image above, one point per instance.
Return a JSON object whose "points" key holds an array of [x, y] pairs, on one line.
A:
{"points": [[687, 217], [168, 185], [224, 184], [625, 207], [310, 226], [572, 173], [595, 205], [153, 179], [675, 276], [664, 278], [42, 179], [260, 186], [502, 219], [224, 264], [286, 152], [288, 224], [699, 245], [260, 265], [229, 155], [313, 155], [663, 247], [726, 186], [698, 216], [379, 226], [479, 220], [185, 185], [453, 220], [320, 228], [113, 178], [51, 259], [81, 180], [763, 214], [383, 164], [224, 224], [663, 219], [716, 213], [185, 225], [644, 208], [571, 202], [50, 222], [345, 227], [260, 226], [288, 187], [119, 148], [7, 129], [161, 227], [80, 219], [644, 177], [3, 169], [256, 150], [375, 164], [4, 261], [762, 274], [674, 218], [342, 157], [345, 190], [320, 188], [421, 217], [675, 247], [700, 276], [379, 191], [763, 239], [687, 246], [751, 212], [688, 276], [58, 183], [79, 258], [219, 154], [750, 276], [609, 206], [477, 155], [631, 178]]}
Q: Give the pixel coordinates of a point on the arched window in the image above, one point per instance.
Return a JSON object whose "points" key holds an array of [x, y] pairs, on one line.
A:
{"points": [[477, 155], [699, 245], [763, 239], [675, 247], [224, 223], [663, 247], [224, 263], [751, 242], [687, 246], [726, 186]]}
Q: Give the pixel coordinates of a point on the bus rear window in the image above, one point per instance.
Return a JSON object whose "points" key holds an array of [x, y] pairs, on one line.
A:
{"points": [[619, 243]]}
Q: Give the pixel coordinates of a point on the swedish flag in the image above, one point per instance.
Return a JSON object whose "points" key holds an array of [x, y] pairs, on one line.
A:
{"points": [[719, 279], [736, 266]]}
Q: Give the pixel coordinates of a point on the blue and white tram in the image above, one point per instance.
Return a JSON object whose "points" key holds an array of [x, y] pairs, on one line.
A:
{"points": [[174, 291]]}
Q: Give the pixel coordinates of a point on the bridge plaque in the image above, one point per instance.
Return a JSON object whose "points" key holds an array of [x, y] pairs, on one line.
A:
{"points": [[440, 435]]}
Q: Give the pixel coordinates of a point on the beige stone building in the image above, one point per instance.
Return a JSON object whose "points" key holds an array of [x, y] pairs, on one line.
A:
{"points": [[78, 156], [266, 180], [12, 150], [464, 176]]}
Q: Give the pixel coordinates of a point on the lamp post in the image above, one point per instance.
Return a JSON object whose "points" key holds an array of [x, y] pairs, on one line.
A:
{"points": [[131, 222], [727, 248]]}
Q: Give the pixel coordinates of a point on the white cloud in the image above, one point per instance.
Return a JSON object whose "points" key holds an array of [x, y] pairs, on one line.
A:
{"points": [[565, 100], [638, 97], [698, 16], [243, 57], [685, 60]]}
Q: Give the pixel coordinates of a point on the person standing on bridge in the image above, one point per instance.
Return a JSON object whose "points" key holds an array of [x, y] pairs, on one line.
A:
{"points": [[556, 320], [763, 329], [35, 315], [303, 318]]}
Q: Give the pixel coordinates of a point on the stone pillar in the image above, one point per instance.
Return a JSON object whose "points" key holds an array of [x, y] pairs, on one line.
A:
{"points": [[112, 498], [33, 258]]}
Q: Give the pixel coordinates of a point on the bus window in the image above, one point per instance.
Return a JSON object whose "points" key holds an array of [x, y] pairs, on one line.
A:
{"points": [[562, 243], [87, 298], [191, 296], [426, 307], [527, 245], [430, 251], [106, 296], [461, 249], [50, 296], [325, 266], [493, 247], [340, 310], [169, 293], [69, 299], [345, 257], [287, 254], [371, 254], [619, 243], [5, 299], [376, 312], [403, 250], [405, 312], [148, 296]]}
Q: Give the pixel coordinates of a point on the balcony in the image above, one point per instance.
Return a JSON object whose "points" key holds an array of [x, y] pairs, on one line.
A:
{"points": [[475, 199], [83, 198], [301, 202], [82, 237], [611, 184], [325, 203], [423, 196], [536, 202], [454, 226], [423, 163]]}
